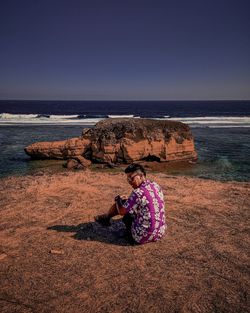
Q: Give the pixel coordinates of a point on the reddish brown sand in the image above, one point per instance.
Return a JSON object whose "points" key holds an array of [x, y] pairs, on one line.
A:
{"points": [[54, 258]]}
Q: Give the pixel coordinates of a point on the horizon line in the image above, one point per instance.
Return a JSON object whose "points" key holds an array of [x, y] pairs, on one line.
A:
{"points": [[123, 100]]}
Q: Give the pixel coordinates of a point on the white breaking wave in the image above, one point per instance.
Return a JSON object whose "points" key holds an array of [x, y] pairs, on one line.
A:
{"points": [[62, 117], [222, 121], [229, 126], [212, 121], [8, 116], [44, 119], [120, 116]]}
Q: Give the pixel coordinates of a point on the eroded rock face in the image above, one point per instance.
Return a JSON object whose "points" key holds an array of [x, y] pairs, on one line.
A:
{"points": [[123, 141], [77, 162], [64, 149]]}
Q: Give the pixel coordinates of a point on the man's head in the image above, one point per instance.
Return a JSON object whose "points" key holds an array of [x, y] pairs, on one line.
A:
{"points": [[136, 174]]}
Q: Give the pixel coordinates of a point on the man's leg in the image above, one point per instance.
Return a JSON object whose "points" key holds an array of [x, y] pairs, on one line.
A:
{"points": [[104, 219], [127, 220], [112, 211]]}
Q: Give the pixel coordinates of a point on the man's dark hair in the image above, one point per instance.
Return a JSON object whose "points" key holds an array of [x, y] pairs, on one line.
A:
{"points": [[135, 167]]}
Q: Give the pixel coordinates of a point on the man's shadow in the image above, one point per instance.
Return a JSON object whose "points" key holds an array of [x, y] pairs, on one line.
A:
{"points": [[92, 231]]}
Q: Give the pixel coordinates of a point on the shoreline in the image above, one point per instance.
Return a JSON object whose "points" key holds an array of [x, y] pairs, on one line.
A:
{"points": [[54, 257], [56, 167], [222, 154]]}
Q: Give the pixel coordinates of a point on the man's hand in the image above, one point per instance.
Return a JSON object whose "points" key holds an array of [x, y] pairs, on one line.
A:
{"points": [[124, 198], [119, 201]]}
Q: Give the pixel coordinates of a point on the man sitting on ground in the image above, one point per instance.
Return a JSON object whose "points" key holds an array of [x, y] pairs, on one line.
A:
{"points": [[143, 212]]}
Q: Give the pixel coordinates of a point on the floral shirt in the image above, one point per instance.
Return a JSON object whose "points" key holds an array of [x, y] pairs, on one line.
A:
{"points": [[146, 205]]}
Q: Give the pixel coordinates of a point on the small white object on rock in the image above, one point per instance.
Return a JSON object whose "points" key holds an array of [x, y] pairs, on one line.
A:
{"points": [[56, 251], [3, 256]]}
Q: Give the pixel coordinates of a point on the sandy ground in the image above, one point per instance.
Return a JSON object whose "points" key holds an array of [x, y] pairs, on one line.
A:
{"points": [[201, 265]]}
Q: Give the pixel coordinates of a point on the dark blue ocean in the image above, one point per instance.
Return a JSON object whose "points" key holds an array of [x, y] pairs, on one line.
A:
{"points": [[221, 130]]}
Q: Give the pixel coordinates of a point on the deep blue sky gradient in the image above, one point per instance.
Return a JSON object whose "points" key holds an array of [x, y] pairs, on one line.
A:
{"points": [[124, 50]]}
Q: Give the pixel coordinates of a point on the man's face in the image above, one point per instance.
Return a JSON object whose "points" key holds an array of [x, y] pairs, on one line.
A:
{"points": [[135, 179]]}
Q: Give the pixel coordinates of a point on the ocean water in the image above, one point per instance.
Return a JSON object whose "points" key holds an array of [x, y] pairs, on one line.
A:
{"points": [[221, 130]]}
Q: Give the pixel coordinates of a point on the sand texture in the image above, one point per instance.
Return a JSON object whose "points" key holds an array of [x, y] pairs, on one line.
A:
{"points": [[54, 258]]}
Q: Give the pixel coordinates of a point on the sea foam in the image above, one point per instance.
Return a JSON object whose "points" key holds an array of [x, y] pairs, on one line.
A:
{"points": [[46, 119]]}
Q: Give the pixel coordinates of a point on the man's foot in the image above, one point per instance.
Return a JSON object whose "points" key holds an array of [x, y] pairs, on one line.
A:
{"points": [[130, 239], [103, 219]]}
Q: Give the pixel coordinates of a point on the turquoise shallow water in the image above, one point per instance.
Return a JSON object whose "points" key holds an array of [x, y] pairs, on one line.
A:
{"points": [[223, 152]]}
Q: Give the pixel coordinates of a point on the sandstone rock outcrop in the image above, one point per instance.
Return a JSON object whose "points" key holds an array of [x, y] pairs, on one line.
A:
{"points": [[123, 141], [71, 164], [64, 149], [78, 162]]}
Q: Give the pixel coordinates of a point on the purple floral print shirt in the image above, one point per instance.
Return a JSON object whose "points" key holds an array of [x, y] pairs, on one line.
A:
{"points": [[146, 205]]}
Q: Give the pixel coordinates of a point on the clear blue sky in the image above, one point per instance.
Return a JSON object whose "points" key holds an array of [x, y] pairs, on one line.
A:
{"points": [[124, 49]]}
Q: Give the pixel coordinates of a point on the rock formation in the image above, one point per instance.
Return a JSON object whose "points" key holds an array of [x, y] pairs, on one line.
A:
{"points": [[123, 141], [64, 149], [77, 162]]}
